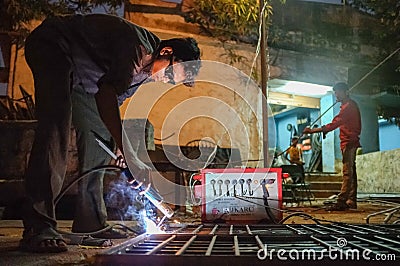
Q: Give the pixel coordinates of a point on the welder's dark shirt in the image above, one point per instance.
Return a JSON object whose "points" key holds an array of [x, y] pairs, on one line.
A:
{"points": [[109, 49], [349, 122]]}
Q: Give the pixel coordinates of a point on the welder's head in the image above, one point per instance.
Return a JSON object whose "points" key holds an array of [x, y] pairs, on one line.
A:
{"points": [[184, 51], [341, 90]]}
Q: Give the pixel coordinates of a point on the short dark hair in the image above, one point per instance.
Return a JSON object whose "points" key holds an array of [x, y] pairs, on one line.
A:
{"points": [[184, 49], [340, 86]]}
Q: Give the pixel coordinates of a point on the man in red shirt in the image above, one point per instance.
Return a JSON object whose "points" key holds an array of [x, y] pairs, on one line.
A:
{"points": [[349, 122]]}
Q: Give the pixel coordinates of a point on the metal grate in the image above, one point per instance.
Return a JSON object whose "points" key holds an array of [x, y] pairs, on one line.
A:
{"points": [[241, 245]]}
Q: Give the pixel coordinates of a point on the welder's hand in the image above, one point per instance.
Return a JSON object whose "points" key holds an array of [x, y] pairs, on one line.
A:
{"points": [[140, 171], [120, 162]]}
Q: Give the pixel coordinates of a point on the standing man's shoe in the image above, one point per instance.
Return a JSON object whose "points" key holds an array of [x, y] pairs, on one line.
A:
{"points": [[338, 207], [351, 204]]}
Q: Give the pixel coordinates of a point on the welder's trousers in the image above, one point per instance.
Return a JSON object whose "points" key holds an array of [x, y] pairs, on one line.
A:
{"points": [[57, 105], [348, 193], [90, 212]]}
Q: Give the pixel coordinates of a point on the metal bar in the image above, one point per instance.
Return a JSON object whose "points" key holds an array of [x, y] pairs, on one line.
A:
{"points": [[211, 245], [264, 80], [331, 229], [314, 230], [396, 231], [236, 242], [296, 230], [197, 229], [390, 215], [356, 245], [381, 239], [187, 244], [161, 245], [381, 212], [214, 230], [259, 242], [362, 228], [377, 243], [179, 229], [387, 239], [326, 244], [127, 244], [248, 229], [347, 228], [161, 221]]}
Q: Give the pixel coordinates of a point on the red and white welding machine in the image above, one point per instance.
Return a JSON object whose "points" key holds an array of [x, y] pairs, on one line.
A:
{"points": [[249, 195]]}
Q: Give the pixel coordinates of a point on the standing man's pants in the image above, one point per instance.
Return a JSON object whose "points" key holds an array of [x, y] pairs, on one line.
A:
{"points": [[348, 193]]}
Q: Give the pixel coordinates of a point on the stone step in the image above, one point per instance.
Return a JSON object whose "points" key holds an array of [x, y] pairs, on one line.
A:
{"points": [[310, 177], [321, 185], [324, 194], [324, 185]]}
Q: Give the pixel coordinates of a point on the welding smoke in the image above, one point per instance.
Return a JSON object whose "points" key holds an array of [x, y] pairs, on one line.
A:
{"points": [[126, 204]]}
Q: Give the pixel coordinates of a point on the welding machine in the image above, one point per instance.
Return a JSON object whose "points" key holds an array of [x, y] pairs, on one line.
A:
{"points": [[250, 195]]}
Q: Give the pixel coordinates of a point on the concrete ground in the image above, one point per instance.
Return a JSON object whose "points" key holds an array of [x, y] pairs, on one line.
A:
{"points": [[11, 231]]}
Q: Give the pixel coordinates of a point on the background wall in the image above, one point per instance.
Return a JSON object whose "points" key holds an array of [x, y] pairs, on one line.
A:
{"points": [[378, 172]]}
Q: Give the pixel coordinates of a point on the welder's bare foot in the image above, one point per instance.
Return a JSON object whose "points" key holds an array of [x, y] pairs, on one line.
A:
{"points": [[47, 241]]}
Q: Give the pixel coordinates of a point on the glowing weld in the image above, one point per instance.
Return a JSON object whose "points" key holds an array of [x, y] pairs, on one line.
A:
{"points": [[152, 228]]}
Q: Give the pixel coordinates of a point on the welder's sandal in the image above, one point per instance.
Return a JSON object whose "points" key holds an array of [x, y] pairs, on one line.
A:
{"points": [[46, 241]]}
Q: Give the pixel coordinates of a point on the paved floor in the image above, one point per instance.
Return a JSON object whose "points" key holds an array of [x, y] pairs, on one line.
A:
{"points": [[11, 230]]}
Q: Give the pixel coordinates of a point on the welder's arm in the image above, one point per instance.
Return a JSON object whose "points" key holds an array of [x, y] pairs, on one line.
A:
{"points": [[107, 106]]}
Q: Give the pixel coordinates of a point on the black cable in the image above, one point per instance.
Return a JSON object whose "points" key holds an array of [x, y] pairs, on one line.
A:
{"points": [[80, 177], [83, 175], [265, 205], [293, 213], [100, 231], [301, 214]]}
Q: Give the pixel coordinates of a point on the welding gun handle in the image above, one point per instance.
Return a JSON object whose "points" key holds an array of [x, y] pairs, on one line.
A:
{"points": [[129, 176], [150, 193], [141, 187]]}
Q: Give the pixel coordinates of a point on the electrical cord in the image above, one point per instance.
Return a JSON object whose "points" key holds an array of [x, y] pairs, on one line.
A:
{"points": [[167, 137], [76, 180], [123, 226], [83, 175], [301, 214], [293, 213], [195, 201]]}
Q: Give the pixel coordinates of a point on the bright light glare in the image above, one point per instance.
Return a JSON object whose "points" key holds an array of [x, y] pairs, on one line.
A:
{"points": [[298, 88], [151, 227]]}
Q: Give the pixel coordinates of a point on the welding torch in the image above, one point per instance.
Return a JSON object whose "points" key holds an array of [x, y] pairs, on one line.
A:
{"points": [[149, 192]]}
